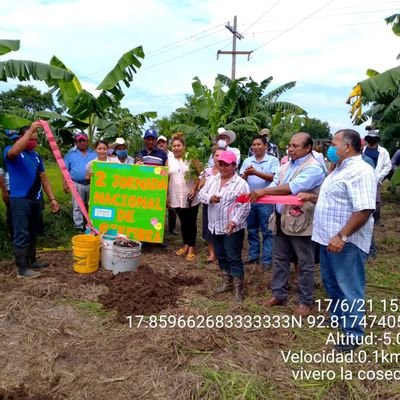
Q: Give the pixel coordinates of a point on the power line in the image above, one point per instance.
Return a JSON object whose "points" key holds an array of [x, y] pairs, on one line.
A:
{"points": [[267, 11], [183, 55], [330, 15], [168, 47], [188, 38], [338, 24], [294, 26], [257, 19]]}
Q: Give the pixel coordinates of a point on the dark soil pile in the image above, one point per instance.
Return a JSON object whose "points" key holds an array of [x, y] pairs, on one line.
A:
{"points": [[20, 393], [144, 292]]}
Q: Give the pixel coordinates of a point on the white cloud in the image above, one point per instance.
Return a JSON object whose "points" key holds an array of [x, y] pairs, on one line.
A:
{"points": [[329, 50]]}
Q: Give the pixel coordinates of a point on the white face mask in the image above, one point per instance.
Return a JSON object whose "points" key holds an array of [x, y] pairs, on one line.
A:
{"points": [[222, 143]]}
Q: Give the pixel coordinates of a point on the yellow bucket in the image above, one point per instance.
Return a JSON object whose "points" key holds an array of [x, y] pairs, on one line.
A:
{"points": [[86, 251]]}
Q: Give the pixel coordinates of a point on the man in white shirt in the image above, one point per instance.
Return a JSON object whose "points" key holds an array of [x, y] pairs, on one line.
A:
{"points": [[343, 225], [381, 158], [224, 139]]}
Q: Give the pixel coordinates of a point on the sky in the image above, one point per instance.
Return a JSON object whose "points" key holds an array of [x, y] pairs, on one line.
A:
{"points": [[326, 46]]}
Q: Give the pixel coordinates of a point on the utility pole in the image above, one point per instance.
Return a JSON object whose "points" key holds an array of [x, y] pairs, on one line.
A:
{"points": [[236, 35]]}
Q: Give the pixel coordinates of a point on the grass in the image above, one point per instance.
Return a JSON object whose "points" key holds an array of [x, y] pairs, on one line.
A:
{"points": [[232, 384], [58, 227], [234, 364], [92, 308]]}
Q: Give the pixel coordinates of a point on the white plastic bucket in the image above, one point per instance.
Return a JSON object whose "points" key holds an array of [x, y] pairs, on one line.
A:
{"points": [[126, 259], [107, 242]]}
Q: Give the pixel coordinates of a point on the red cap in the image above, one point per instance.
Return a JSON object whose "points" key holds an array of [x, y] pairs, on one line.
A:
{"points": [[81, 136]]}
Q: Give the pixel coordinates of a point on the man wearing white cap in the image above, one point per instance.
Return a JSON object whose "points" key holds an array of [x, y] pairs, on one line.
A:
{"points": [[162, 144], [121, 151]]}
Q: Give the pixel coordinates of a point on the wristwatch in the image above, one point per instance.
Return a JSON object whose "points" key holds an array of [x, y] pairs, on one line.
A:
{"points": [[344, 238]]}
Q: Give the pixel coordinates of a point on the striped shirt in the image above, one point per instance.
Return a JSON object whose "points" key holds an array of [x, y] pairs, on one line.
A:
{"points": [[220, 214], [153, 157], [350, 188]]}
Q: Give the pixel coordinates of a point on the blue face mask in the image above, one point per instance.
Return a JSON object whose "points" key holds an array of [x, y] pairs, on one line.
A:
{"points": [[121, 153], [332, 155]]}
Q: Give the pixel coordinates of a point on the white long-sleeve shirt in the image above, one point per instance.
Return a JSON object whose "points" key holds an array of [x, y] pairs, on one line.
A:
{"points": [[384, 164], [220, 214]]}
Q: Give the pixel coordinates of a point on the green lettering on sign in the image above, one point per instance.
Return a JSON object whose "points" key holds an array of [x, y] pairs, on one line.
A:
{"points": [[130, 199]]}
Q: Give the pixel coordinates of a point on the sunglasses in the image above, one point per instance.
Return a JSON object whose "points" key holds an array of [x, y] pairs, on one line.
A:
{"points": [[82, 140]]}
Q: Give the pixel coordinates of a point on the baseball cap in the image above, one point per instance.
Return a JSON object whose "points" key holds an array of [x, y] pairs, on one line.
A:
{"points": [[228, 157], [81, 136], [150, 133], [12, 134], [162, 137], [372, 133]]}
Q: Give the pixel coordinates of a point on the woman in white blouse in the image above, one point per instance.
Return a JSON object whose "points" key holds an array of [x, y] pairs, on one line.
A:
{"points": [[101, 148], [182, 195]]}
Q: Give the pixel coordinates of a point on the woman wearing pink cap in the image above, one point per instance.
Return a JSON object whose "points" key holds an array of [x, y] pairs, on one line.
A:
{"points": [[227, 222]]}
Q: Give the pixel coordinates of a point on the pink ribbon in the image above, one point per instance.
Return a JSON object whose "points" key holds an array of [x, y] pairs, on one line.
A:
{"points": [[65, 173], [283, 199]]}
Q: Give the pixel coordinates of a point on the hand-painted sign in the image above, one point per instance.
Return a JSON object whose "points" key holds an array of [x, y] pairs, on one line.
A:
{"points": [[130, 199]]}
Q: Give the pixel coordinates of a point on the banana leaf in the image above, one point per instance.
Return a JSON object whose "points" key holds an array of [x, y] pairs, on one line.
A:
{"points": [[123, 71], [24, 70], [8, 45], [66, 92]]}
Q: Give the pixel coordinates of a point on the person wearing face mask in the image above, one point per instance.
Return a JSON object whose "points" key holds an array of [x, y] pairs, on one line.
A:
{"points": [[121, 152], [381, 158], [27, 179], [343, 226], [224, 140]]}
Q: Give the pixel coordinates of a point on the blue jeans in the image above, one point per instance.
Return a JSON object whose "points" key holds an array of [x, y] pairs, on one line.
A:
{"points": [[228, 249], [343, 275], [258, 219], [26, 218]]}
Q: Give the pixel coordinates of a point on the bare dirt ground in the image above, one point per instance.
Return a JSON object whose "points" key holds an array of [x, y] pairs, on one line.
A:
{"points": [[72, 336]]}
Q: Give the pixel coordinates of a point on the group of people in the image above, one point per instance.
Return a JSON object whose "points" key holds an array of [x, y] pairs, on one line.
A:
{"points": [[334, 211]]}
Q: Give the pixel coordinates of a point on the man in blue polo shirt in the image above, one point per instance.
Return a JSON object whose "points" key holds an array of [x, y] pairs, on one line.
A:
{"points": [[27, 177], [75, 161], [258, 170], [151, 155]]}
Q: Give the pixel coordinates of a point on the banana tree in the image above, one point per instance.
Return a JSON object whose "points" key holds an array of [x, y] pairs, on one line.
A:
{"points": [[85, 111], [24, 70], [240, 104], [382, 91]]}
